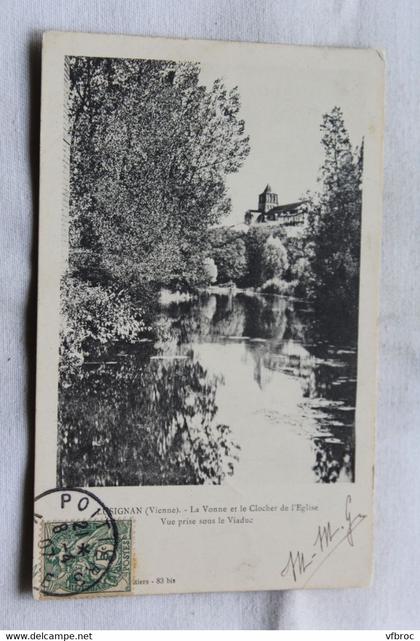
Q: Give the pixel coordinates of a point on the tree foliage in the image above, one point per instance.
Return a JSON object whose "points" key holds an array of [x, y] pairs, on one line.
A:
{"points": [[256, 238], [274, 258], [228, 250], [91, 316], [335, 217], [150, 149], [210, 268]]}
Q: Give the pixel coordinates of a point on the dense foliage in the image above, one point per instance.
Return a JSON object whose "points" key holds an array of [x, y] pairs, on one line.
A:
{"points": [[335, 219], [228, 250], [261, 257], [150, 149], [92, 316], [274, 258]]}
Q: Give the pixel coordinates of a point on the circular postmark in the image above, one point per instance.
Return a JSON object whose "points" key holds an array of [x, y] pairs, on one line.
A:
{"points": [[76, 543]]}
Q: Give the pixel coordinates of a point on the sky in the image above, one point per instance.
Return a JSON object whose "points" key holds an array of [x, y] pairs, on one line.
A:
{"points": [[282, 104]]}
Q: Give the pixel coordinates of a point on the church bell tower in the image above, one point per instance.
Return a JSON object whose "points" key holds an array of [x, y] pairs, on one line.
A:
{"points": [[267, 200]]}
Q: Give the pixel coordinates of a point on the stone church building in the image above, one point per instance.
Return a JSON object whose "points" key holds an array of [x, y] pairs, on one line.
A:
{"points": [[269, 210]]}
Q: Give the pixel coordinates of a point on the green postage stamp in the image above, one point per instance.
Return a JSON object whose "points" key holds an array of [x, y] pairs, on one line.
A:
{"points": [[83, 557]]}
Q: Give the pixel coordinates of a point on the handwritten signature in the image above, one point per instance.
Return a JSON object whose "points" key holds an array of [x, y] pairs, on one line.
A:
{"points": [[327, 540]]}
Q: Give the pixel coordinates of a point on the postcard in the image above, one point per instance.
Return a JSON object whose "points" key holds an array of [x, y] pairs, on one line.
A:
{"points": [[209, 257]]}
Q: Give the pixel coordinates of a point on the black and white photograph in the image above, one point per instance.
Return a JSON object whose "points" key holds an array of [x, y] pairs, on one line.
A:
{"points": [[211, 248]]}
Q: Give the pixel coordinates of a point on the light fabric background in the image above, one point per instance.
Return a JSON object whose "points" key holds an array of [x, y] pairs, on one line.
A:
{"points": [[393, 600]]}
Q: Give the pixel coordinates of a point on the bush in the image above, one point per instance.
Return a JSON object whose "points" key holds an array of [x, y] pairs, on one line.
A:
{"points": [[92, 316], [210, 269], [278, 286], [228, 250], [255, 241], [274, 258]]}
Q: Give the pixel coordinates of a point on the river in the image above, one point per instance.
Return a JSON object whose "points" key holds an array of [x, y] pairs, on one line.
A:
{"points": [[239, 386]]}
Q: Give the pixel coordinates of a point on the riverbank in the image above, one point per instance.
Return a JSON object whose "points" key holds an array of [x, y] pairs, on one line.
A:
{"points": [[227, 290], [235, 370]]}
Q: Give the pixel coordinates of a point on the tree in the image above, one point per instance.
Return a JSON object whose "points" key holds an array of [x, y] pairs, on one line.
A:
{"points": [[274, 258], [228, 250], [210, 268], [150, 149], [255, 241], [335, 216]]}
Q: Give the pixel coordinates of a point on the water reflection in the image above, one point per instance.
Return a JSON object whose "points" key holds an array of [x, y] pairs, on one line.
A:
{"points": [[285, 338], [143, 421], [229, 370]]}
